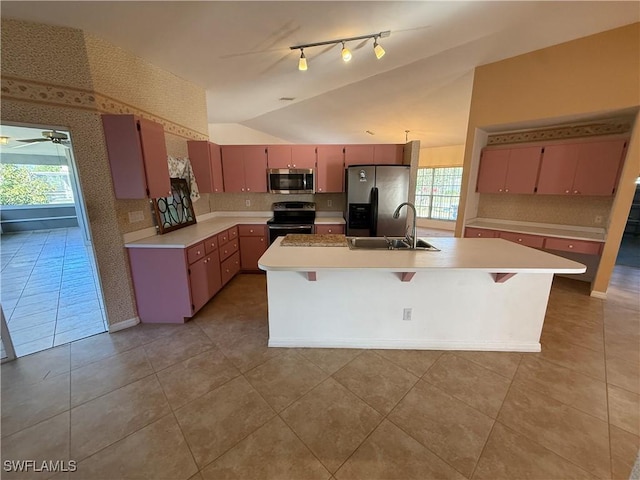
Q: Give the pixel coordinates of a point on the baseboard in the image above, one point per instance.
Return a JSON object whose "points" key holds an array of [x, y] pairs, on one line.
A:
{"points": [[597, 294], [116, 327], [403, 344]]}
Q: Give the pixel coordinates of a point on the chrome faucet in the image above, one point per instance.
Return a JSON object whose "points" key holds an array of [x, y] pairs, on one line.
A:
{"points": [[396, 215]]}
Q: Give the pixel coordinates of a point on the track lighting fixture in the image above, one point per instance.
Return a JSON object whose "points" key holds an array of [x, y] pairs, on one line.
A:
{"points": [[377, 49], [345, 52], [302, 63]]}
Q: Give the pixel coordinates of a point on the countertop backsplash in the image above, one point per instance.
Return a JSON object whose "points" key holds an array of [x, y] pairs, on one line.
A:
{"points": [[556, 209], [258, 202]]}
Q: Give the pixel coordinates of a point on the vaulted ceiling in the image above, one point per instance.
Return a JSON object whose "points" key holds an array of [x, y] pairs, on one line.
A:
{"points": [[239, 52]]}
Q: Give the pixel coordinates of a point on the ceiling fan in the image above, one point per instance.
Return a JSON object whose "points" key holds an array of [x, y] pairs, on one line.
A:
{"points": [[47, 136]]}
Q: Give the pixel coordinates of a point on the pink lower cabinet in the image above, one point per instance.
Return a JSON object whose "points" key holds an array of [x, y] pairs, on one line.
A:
{"points": [[228, 250], [172, 284], [329, 229], [479, 233], [253, 243], [577, 246], [535, 241]]}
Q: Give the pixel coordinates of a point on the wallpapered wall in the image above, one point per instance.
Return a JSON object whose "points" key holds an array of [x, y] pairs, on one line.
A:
{"points": [[70, 92]]}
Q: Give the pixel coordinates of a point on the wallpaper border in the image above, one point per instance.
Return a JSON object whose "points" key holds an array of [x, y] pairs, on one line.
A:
{"points": [[33, 91], [558, 133]]}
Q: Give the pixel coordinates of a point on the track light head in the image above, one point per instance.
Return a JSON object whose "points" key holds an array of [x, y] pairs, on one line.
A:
{"points": [[377, 49], [346, 53], [302, 63]]}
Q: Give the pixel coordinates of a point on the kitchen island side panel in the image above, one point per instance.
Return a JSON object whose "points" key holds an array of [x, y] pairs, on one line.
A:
{"points": [[450, 310], [161, 284]]}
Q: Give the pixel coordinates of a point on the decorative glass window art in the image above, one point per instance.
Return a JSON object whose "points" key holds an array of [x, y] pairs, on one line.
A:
{"points": [[176, 211]]}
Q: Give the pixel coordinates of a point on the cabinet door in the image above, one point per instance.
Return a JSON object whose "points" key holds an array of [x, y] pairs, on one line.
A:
{"points": [[229, 267], [216, 168], [522, 171], [199, 284], [598, 165], [388, 154], [329, 229], [233, 167], [201, 163], [303, 156], [251, 249], [358, 155], [493, 171], [154, 154], [558, 169], [279, 156], [330, 172], [255, 168], [214, 276], [137, 157]]}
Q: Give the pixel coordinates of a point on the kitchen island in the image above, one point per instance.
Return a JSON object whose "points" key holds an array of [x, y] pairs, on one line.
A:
{"points": [[474, 294]]}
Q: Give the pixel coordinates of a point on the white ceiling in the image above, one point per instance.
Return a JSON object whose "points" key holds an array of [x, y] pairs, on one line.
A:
{"points": [[239, 52]]}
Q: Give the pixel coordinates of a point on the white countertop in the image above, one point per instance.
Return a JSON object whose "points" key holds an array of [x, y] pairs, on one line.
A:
{"points": [[193, 234], [492, 255], [187, 236], [547, 229], [329, 220]]}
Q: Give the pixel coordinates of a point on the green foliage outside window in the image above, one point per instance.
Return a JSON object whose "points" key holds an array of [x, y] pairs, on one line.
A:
{"points": [[19, 186]]}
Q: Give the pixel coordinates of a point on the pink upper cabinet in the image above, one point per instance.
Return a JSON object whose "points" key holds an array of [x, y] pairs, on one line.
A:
{"points": [[388, 154], [358, 155], [233, 168], [493, 171], [279, 156], [207, 165], [509, 170], [137, 157], [303, 156], [330, 171]]}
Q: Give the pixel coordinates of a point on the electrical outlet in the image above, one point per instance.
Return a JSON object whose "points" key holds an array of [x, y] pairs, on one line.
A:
{"points": [[598, 220], [329, 203], [406, 314], [137, 216], [247, 203]]}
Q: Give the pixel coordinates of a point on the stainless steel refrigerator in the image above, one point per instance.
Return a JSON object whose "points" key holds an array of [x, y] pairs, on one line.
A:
{"points": [[373, 194]]}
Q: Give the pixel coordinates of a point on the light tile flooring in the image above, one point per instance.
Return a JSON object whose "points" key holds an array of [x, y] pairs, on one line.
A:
{"points": [[209, 400], [48, 289]]}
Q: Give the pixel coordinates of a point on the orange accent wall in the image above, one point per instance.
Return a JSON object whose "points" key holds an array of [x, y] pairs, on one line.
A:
{"points": [[589, 78]]}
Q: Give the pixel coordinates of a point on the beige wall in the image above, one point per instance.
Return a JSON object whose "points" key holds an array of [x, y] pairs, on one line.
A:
{"points": [[70, 92], [451, 156], [591, 77]]}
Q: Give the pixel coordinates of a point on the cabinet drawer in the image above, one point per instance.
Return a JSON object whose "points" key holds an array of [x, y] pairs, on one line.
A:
{"points": [[479, 233], [534, 241], [567, 245], [232, 233], [230, 267], [228, 249], [210, 244], [334, 229], [251, 230], [223, 238], [196, 252]]}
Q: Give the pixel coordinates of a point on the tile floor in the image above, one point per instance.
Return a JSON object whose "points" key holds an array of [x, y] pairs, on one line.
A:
{"points": [[48, 289], [209, 400]]}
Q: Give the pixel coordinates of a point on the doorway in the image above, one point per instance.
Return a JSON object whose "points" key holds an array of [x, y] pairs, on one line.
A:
{"points": [[49, 284]]}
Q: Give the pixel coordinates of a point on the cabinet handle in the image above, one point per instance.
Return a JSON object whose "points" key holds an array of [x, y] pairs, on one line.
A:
{"points": [[319, 189], [330, 231], [198, 252], [506, 190], [227, 270], [576, 192], [248, 189], [243, 189], [570, 246], [567, 191], [500, 190], [479, 234], [262, 239], [519, 239], [251, 230]]}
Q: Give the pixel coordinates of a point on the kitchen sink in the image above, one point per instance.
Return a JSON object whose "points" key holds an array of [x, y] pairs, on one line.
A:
{"points": [[386, 243]]}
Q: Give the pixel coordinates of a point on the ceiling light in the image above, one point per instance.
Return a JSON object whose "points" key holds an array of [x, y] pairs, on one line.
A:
{"points": [[302, 63], [4, 140], [345, 52], [377, 49]]}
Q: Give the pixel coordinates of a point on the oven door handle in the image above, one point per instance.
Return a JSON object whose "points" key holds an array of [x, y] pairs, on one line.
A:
{"points": [[289, 227]]}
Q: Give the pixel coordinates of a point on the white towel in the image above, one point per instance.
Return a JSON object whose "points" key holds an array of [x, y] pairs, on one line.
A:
{"points": [[180, 167]]}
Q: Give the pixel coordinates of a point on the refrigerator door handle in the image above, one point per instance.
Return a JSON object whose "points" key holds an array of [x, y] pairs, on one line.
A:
{"points": [[374, 212]]}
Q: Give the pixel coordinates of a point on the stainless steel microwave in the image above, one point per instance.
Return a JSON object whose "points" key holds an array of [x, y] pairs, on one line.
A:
{"points": [[291, 180]]}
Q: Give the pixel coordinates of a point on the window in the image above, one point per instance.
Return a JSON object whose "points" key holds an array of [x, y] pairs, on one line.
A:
{"points": [[438, 192]]}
